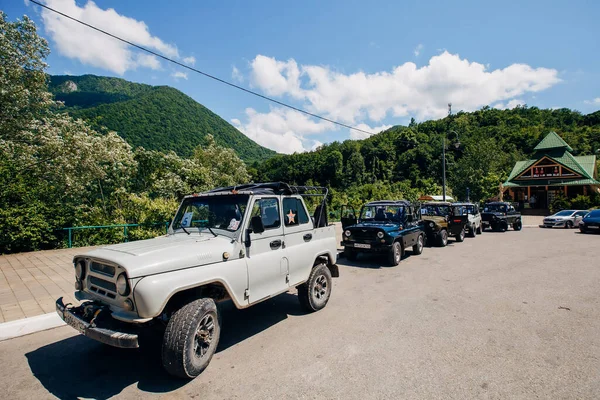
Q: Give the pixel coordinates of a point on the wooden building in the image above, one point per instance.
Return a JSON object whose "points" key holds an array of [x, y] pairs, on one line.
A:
{"points": [[552, 170]]}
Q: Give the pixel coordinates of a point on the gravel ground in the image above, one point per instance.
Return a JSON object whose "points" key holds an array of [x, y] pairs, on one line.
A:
{"points": [[504, 315]]}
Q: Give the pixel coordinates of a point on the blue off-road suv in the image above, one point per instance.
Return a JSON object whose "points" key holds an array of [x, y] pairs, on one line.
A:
{"points": [[385, 226]]}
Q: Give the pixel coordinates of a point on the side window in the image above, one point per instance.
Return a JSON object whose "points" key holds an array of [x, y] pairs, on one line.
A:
{"points": [[294, 212], [268, 209]]}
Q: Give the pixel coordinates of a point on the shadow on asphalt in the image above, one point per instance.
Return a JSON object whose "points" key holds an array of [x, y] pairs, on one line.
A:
{"points": [[79, 367], [371, 260]]}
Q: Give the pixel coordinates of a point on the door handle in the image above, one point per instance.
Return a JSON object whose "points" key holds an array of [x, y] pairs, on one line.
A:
{"points": [[308, 237], [275, 244]]}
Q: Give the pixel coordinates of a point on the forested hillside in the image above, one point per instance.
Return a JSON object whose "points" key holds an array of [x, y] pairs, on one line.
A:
{"points": [[406, 161], [154, 117]]}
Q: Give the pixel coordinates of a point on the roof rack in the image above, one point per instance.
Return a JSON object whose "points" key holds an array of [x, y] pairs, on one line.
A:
{"points": [[279, 188]]}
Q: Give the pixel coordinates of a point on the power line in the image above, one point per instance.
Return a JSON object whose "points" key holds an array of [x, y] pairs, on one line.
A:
{"points": [[200, 72]]}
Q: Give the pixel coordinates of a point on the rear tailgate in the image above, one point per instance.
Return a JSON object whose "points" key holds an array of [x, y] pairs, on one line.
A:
{"points": [[457, 223]]}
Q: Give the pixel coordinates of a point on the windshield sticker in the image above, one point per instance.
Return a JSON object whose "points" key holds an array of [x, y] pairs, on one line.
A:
{"points": [[187, 219], [291, 217], [233, 224]]}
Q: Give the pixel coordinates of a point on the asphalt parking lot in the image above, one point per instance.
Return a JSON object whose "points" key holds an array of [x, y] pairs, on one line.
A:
{"points": [[504, 315]]}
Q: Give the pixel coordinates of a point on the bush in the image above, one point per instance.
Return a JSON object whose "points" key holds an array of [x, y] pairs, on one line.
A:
{"points": [[581, 202], [560, 202]]}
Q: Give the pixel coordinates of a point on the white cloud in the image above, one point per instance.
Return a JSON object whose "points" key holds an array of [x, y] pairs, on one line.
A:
{"points": [[595, 101], [191, 60], [276, 78], [354, 134], [76, 41], [418, 49], [282, 130], [404, 91], [179, 75], [510, 105], [236, 75]]}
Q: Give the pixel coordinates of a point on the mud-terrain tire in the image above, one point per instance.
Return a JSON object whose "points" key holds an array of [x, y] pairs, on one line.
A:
{"points": [[461, 236], [395, 254], [315, 292], [191, 338], [442, 238], [479, 229], [503, 226], [418, 247], [518, 225], [350, 254]]}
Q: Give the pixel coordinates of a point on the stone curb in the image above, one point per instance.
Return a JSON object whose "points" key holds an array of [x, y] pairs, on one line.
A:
{"points": [[26, 326]]}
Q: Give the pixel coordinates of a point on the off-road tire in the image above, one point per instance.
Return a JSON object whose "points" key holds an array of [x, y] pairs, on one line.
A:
{"points": [[479, 229], [472, 231], [502, 226], [418, 247], [517, 226], [350, 254], [315, 292], [568, 224], [395, 254], [461, 236], [442, 238], [180, 343]]}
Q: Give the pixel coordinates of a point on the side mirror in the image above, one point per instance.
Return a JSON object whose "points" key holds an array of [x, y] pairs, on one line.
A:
{"points": [[257, 225], [247, 239]]}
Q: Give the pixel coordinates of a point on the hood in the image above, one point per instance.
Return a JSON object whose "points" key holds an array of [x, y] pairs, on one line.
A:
{"points": [[557, 218], [435, 218], [165, 253], [497, 213], [387, 227], [593, 220]]}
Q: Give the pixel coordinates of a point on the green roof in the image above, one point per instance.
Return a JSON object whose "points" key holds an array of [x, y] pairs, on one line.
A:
{"points": [[519, 167], [552, 141], [588, 163]]}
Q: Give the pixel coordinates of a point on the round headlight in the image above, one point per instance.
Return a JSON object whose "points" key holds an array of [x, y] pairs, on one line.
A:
{"points": [[122, 285], [348, 233], [80, 269], [380, 235], [431, 224]]}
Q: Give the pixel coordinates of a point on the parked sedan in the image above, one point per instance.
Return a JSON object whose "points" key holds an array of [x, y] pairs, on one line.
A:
{"points": [[591, 222], [564, 219]]}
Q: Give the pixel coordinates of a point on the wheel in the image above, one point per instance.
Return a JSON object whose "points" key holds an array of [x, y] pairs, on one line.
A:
{"points": [[582, 230], [395, 254], [503, 226], [191, 338], [350, 254], [479, 229], [418, 247], [461, 236], [569, 225], [472, 231], [442, 238], [314, 293], [518, 225]]}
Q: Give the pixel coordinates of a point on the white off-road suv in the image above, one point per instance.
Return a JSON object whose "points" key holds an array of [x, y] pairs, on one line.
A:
{"points": [[245, 244]]}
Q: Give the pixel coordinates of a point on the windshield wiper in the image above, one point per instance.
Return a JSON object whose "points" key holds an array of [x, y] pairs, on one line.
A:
{"points": [[211, 231], [182, 227]]}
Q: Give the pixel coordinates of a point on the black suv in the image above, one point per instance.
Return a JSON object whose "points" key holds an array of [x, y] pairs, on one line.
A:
{"points": [[499, 216], [385, 226]]}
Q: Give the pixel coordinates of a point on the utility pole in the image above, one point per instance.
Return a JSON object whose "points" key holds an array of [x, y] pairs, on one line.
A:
{"points": [[444, 155]]}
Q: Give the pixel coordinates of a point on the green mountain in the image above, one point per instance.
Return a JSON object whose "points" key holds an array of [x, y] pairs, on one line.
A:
{"points": [[154, 117]]}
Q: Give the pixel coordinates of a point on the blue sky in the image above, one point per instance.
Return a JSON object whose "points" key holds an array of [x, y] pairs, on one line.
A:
{"points": [[368, 64]]}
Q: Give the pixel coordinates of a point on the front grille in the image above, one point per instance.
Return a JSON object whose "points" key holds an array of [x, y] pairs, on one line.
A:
{"points": [[102, 287], [103, 269], [367, 236], [487, 217]]}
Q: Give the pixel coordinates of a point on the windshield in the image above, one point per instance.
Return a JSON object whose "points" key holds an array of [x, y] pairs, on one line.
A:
{"points": [[435, 210], [495, 208], [593, 214], [211, 212], [565, 213], [388, 213]]}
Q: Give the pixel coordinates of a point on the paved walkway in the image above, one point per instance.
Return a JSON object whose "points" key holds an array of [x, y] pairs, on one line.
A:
{"points": [[31, 282]]}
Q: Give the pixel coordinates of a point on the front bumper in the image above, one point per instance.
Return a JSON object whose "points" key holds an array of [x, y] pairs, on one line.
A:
{"points": [[94, 321], [554, 224], [367, 247]]}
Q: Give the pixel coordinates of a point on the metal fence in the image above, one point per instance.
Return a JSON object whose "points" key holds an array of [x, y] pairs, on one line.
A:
{"points": [[124, 226]]}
